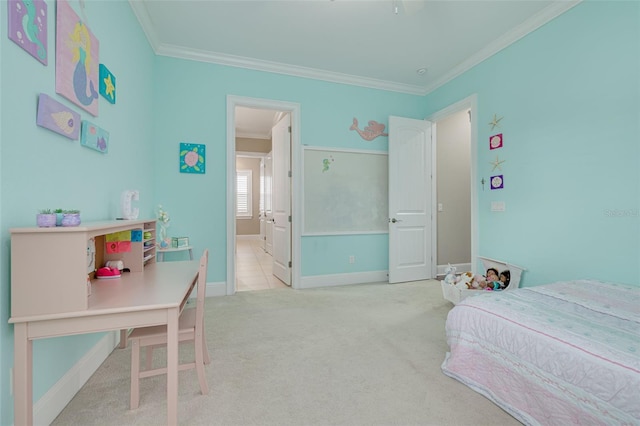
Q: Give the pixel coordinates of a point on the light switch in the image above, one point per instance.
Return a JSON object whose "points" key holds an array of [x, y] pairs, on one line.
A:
{"points": [[497, 206], [440, 208]]}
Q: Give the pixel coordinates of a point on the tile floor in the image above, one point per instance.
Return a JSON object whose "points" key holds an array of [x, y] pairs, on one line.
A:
{"points": [[253, 266]]}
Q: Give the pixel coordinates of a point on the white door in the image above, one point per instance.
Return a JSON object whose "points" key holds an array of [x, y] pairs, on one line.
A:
{"points": [[410, 202], [262, 214], [281, 227], [268, 203]]}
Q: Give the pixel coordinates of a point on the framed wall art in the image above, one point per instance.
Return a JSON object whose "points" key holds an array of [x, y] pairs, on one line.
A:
{"points": [[107, 84], [57, 117], [94, 137], [76, 59], [28, 27], [192, 158]]}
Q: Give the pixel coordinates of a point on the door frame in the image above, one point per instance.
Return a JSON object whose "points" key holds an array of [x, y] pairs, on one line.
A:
{"points": [[470, 103], [296, 209]]}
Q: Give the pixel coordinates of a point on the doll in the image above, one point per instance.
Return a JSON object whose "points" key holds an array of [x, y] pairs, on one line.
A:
{"points": [[492, 275], [487, 281], [505, 278]]}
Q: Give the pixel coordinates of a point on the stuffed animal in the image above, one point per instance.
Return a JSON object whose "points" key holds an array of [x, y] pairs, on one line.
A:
{"points": [[450, 277], [477, 283], [464, 280]]}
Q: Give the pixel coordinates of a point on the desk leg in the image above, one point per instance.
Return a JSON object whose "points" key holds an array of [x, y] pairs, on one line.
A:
{"points": [[172, 367], [160, 256], [23, 376], [191, 254]]}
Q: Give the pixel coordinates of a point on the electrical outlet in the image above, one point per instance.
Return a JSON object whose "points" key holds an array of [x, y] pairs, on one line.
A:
{"points": [[352, 259], [497, 206]]}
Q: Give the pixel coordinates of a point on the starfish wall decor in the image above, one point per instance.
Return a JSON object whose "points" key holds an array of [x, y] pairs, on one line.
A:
{"points": [[497, 164], [495, 122]]}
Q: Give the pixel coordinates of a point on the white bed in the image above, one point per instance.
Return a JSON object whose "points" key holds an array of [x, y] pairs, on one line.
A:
{"points": [[557, 354]]}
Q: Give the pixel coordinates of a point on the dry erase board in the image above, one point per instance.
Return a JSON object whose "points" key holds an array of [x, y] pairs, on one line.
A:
{"points": [[345, 191]]}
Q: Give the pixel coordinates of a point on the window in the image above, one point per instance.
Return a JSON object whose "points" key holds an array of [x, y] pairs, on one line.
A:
{"points": [[244, 209]]}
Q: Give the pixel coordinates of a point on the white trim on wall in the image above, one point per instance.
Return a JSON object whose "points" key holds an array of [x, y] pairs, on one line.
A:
{"points": [[51, 404], [552, 11]]}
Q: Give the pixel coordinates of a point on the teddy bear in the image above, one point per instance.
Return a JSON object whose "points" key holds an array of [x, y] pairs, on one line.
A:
{"points": [[464, 281], [450, 277]]}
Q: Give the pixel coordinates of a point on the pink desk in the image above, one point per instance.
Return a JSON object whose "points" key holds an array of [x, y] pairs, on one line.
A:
{"points": [[138, 299]]}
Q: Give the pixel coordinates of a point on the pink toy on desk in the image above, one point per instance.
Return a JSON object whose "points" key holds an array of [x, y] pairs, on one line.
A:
{"points": [[108, 273]]}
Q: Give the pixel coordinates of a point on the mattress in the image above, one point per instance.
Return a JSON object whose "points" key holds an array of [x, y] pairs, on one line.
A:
{"points": [[561, 353]]}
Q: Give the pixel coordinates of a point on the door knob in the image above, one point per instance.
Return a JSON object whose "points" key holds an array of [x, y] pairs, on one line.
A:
{"points": [[394, 220]]}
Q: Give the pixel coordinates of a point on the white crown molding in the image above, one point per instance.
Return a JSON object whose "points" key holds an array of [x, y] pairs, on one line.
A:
{"points": [[530, 25], [286, 69], [141, 13], [510, 37]]}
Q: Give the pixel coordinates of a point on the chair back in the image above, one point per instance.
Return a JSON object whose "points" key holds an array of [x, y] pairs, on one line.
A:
{"points": [[201, 291]]}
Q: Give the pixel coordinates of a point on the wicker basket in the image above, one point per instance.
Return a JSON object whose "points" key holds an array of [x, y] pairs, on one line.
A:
{"points": [[456, 295]]}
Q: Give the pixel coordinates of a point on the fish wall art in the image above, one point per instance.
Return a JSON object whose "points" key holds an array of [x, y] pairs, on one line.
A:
{"points": [[94, 137]]}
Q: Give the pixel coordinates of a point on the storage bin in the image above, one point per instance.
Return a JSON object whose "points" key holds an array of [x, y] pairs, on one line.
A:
{"points": [[456, 295]]}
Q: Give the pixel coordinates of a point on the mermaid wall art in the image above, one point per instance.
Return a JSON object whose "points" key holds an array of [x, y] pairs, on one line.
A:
{"points": [[28, 26], [76, 60]]}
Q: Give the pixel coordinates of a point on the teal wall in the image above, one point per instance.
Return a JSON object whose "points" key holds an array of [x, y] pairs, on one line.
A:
{"points": [[192, 108], [569, 94], [41, 169]]}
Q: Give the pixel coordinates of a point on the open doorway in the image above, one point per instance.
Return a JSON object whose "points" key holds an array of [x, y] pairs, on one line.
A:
{"points": [[456, 185], [238, 248], [254, 199]]}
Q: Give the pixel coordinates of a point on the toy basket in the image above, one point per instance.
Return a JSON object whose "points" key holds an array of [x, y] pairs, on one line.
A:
{"points": [[456, 295]]}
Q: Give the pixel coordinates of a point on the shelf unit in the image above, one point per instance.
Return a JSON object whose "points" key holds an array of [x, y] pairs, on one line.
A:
{"points": [[49, 272], [149, 243]]}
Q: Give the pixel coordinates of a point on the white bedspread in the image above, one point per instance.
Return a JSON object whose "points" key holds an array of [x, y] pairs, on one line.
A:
{"points": [[557, 354]]}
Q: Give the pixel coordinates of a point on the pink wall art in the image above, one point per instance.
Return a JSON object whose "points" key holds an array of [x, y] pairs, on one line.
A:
{"points": [[371, 131], [55, 116], [28, 26], [76, 59]]}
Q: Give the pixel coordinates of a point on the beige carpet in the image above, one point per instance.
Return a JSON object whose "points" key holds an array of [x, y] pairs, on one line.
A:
{"points": [[365, 354]]}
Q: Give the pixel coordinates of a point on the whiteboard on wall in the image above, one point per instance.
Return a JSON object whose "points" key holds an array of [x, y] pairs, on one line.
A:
{"points": [[345, 191]]}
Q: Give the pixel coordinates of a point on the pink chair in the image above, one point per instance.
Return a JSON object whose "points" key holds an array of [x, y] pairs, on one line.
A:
{"points": [[191, 328]]}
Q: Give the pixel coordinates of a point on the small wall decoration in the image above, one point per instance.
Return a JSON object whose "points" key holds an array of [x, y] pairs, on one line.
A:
{"points": [[94, 137], [495, 122], [370, 132], [76, 59], [107, 84], [497, 164], [326, 162], [55, 116], [497, 182], [495, 141], [192, 158], [28, 26]]}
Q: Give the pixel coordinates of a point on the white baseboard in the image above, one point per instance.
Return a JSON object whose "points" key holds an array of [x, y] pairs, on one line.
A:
{"points": [[460, 268], [51, 404], [47, 408], [217, 289], [248, 237], [315, 281]]}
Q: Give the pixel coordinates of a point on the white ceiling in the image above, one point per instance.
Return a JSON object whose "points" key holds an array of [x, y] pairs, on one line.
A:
{"points": [[371, 43]]}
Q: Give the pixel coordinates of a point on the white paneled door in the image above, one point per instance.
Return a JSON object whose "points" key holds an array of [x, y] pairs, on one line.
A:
{"points": [[281, 227], [410, 200]]}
